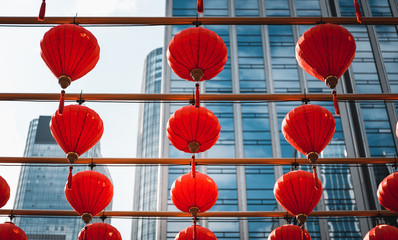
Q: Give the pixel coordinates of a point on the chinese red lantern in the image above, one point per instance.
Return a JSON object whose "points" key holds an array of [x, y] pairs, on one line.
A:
{"points": [[70, 51], [99, 231], [89, 194], [197, 54], [296, 192], [309, 128], [76, 129], [325, 52], [9, 231], [193, 129], [382, 232], [201, 234], [290, 232], [194, 192], [4, 192], [387, 193]]}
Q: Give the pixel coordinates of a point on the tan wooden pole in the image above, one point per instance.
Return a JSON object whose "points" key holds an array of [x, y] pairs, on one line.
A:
{"points": [[199, 161]]}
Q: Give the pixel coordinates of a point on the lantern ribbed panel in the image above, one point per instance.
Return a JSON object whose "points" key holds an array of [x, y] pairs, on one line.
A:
{"points": [[99, 231], [190, 124], [382, 232], [309, 128], [4, 192], [69, 50], [9, 231], [201, 234], [197, 47], [77, 129], [325, 49], [387, 192], [90, 193], [297, 193], [199, 191], [289, 232]]}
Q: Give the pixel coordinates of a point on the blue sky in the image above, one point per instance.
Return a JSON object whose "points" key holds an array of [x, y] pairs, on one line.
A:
{"points": [[119, 70]]}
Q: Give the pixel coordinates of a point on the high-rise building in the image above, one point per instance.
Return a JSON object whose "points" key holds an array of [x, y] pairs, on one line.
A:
{"points": [[148, 147], [42, 186], [261, 59]]}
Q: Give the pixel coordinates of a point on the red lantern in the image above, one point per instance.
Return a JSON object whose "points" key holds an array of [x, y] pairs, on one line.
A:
{"points": [[70, 51], [90, 193], [201, 234], [387, 193], [197, 54], [8, 231], [296, 192], [309, 129], [382, 232], [290, 232], [325, 52], [194, 192], [4, 192], [99, 231], [193, 129], [76, 129]]}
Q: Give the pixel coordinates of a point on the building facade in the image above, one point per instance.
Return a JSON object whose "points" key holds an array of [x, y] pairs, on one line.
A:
{"points": [[261, 59], [148, 147], [42, 186]]}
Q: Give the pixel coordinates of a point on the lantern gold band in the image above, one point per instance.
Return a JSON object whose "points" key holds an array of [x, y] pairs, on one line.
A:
{"points": [[197, 74], [72, 157], [193, 146], [331, 81], [194, 211], [86, 217], [64, 81], [312, 157], [301, 218]]}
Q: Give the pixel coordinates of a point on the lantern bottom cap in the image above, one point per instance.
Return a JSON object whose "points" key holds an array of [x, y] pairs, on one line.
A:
{"points": [[86, 217], [331, 81], [193, 146], [194, 211], [301, 218], [312, 157], [72, 157], [64, 81], [197, 74]]}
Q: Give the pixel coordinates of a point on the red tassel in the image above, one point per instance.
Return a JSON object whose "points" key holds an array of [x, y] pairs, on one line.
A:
{"points": [[315, 176], [197, 98], [70, 177], [358, 11], [42, 11], [61, 102], [194, 229], [336, 104], [193, 166], [199, 6]]}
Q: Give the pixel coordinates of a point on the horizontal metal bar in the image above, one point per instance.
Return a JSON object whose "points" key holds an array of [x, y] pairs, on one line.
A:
{"points": [[204, 97], [229, 214], [153, 21], [199, 161]]}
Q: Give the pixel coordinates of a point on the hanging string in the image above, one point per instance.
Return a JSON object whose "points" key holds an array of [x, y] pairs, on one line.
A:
{"points": [[70, 177], [103, 217], [42, 11], [61, 102], [336, 104], [193, 166], [85, 232], [315, 176], [394, 166], [199, 6], [197, 97], [358, 11], [194, 228], [81, 100], [11, 216]]}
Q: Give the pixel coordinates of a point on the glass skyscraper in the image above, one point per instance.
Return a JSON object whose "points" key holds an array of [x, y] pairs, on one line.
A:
{"points": [[42, 186], [148, 147], [261, 59]]}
